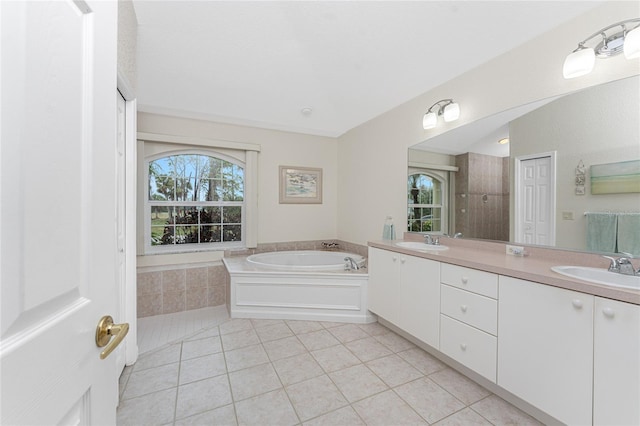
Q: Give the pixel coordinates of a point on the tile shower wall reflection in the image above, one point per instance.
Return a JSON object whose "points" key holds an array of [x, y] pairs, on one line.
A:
{"points": [[482, 196]]}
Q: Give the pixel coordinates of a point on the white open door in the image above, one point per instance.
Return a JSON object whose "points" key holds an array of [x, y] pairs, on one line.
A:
{"points": [[58, 211]]}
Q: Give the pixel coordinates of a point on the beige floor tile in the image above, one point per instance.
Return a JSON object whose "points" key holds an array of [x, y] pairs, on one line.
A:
{"points": [[259, 323], [315, 397], [303, 327], [152, 380], [500, 412], [330, 324], [213, 331], [271, 408], [393, 370], [422, 361], [357, 382], [297, 368], [385, 409], [154, 408], [429, 400], [368, 349], [346, 416], [204, 395], [166, 355], [195, 369], [253, 381], [394, 342], [318, 340], [460, 386], [335, 358], [465, 417], [200, 347], [284, 348], [374, 329], [235, 325], [274, 332], [223, 416], [245, 357], [239, 339], [348, 333]]}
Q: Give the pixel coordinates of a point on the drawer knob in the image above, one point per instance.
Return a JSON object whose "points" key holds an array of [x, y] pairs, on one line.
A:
{"points": [[463, 308], [463, 346], [394, 258], [465, 280], [577, 303], [608, 312], [402, 260]]}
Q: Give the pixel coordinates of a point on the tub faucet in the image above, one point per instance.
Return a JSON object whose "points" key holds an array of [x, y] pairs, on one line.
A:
{"points": [[351, 264]]}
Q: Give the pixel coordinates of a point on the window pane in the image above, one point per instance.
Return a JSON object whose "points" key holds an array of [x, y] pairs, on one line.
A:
{"points": [[158, 235], [161, 187], [232, 233], [210, 234], [186, 234], [210, 215], [202, 190], [186, 215], [232, 214]]}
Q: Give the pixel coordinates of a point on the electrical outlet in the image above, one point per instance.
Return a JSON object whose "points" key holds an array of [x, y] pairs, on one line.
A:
{"points": [[515, 250]]}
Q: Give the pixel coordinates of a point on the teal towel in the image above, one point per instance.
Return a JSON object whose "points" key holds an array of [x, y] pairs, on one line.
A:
{"points": [[602, 232], [629, 233]]}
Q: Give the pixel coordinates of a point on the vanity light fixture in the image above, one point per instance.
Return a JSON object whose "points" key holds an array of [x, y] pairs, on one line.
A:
{"points": [[449, 110], [582, 60]]}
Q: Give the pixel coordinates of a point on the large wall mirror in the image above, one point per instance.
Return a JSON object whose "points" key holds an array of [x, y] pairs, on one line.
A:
{"points": [[492, 191]]}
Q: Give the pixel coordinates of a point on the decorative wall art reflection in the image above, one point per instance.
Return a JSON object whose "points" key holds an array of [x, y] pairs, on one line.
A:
{"points": [[615, 178], [300, 185]]}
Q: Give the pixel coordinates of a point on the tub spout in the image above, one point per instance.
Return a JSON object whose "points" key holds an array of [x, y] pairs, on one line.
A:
{"points": [[351, 264]]}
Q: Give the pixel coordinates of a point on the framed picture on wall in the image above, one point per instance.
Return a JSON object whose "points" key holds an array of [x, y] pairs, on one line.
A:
{"points": [[300, 185]]}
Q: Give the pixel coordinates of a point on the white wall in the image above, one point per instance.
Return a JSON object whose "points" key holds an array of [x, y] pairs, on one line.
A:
{"points": [[596, 126], [372, 158], [276, 222], [127, 42]]}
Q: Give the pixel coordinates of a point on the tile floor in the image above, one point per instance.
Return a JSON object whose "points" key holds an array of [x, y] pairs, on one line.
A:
{"points": [[274, 372]]}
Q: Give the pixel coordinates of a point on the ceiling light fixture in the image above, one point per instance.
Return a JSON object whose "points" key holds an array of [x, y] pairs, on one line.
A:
{"points": [[582, 60], [449, 110], [503, 141]]}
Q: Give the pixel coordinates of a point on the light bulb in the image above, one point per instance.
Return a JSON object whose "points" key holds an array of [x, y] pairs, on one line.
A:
{"points": [[632, 44], [451, 112], [579, 63], [429, 120]]}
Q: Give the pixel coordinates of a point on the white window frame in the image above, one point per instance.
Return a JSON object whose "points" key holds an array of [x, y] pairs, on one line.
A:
{"points": [[213, 148]]}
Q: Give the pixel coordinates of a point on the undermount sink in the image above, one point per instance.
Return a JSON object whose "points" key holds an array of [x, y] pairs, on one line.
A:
{"points": [[414, 245], [599, 276]]}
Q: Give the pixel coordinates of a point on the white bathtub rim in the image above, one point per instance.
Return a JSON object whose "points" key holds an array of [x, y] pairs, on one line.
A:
{"points": [[332, 268]]}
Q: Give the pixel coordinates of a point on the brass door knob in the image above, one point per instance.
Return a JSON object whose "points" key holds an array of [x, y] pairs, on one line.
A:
{"points": [[105, 330]]}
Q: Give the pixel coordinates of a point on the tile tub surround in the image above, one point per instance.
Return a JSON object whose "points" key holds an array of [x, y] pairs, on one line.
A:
{"points": [[535, 266], [178, 288], [275, 372]]}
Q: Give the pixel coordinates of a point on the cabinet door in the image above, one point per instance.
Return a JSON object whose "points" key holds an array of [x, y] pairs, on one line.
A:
{"points": [[384, 284], [545, 348], [616, 357], [420, 298]]}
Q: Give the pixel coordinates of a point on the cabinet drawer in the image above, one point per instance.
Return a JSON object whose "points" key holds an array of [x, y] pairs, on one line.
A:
{"points": [[480, 282], [470, 308], [469, 346]]}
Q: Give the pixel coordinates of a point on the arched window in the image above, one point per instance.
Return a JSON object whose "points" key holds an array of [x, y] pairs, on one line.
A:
{"points": [[425, 203], [195, 201]]}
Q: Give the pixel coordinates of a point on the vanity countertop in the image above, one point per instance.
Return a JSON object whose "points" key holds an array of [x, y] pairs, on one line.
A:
{"points": [[534, 266]]}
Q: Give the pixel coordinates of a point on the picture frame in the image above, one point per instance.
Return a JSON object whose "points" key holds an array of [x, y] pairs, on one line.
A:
{"points": [[300, 185]]}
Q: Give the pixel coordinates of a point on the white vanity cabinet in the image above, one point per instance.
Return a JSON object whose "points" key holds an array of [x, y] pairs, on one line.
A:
{"points": [[405, 290], [469, 320], [616, 357], [545, 350]]}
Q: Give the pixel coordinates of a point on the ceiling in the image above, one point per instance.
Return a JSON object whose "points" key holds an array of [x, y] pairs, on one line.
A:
{"points": [[261, 63]]}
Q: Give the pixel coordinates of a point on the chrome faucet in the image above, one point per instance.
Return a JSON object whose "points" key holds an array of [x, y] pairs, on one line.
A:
{"points": [[622, 265], [351, 264], [429, 239]]}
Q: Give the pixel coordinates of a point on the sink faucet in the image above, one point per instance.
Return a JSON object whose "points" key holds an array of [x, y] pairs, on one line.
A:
{"points": [[622, 265], [351, 264], [429, 239]]}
